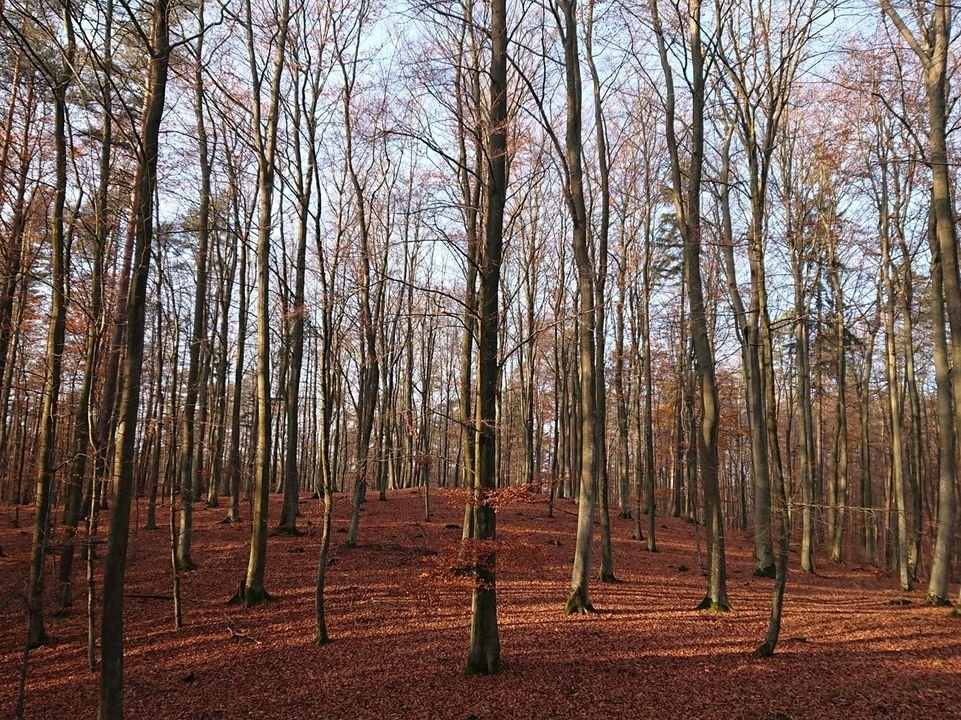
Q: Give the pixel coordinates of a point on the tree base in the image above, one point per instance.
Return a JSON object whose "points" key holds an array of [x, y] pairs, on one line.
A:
{"points": [[288, 531], [607, 577], [482, 666], [248, 596], [937, 601], [769, 571], [65, 599], [713, 606], [578, 604], [764, 650], [255, 596], [185, 565], [37, 637]]}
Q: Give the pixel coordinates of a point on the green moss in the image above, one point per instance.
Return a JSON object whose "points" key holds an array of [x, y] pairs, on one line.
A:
{"points": [[711, 606]]}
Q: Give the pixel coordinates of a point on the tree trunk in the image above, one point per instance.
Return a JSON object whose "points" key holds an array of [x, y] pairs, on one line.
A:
{"points": [[687, 200], [265, 146], [938, 591], [145, 183], [46, 451], [484, 651]]}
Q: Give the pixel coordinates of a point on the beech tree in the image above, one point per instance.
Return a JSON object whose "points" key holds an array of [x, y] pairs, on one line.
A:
{"points": [[484, 653], [931, 45], [265, 115], [58, 76], [141, 218], [686, 193]]}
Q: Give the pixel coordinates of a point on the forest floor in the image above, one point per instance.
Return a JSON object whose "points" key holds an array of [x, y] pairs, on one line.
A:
{"points": [[399, 632]]}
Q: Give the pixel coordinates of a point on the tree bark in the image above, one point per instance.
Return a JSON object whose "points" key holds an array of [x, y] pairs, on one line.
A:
{"points": [[484, 651], [145, 183]]}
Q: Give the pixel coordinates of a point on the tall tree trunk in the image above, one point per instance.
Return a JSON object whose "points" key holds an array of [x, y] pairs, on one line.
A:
{"points": [[606, 571], [265, 145], [687, 200], [578, 600], [368, 372], [81, 441], [145, 184], [747, 325], [304, 189], [233, 453], [59, 79], [939, 582], [932, 47], [198, 336], [484, 652], [839, 501], [13, 257], [894, 398], [914, 476]]}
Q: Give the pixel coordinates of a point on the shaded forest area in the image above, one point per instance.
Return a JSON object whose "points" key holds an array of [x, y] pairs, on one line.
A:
{"points": [[402, 306]]}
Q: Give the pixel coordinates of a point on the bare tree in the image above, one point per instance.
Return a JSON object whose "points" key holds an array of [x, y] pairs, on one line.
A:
{"points": [[265, 112], [686, 192], [484, 653], [112, 629]]}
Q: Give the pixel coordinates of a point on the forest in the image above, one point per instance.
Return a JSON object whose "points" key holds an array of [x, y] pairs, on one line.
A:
{"points": [[479, 359]]}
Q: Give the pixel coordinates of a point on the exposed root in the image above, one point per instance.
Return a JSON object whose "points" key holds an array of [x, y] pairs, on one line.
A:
{"points": [[578, 604], [482, 666], [247, 596], [931, 599], [607, 577]]}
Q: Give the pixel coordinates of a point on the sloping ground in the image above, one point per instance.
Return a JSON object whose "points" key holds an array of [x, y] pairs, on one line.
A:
{"points": [[400, 633]]}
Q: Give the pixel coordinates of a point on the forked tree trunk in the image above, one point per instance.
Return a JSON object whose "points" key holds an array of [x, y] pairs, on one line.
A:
{"points": [[687, 200]]}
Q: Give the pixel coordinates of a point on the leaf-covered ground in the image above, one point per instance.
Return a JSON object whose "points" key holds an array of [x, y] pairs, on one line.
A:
{"points": [[399, 639]]}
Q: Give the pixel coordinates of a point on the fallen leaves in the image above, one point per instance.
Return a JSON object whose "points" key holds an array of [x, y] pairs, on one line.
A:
{"points": [[399, 639]]}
